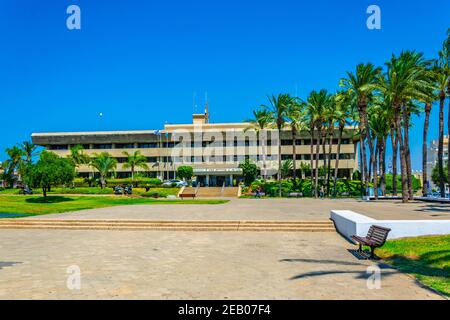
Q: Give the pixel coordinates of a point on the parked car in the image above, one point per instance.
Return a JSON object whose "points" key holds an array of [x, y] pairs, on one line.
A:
{"points": [[177, 183]]}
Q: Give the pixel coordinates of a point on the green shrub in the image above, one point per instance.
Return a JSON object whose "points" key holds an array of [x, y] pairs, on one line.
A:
{"points": [[154, 194], [139, 182]]}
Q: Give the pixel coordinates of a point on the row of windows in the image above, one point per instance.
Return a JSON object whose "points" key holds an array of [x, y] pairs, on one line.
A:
{"points": [[149, 145], [342, 156], [237, 158]]}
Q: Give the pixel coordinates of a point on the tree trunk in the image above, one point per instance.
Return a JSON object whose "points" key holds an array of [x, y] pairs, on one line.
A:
{"points": [[102, 182], [407, 152], [448, 142], [364, 176], [394, 143], [441, 144], [382, 160], [316, 173], [294, 155], [264, 157], [324, 151], [402, 156], [44, 191], [312, 157], [279, 162], [338, 152], [425, 149], [330, 146]]}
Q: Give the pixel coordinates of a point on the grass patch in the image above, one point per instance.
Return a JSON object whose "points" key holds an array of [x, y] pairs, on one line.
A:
{"points": [[93, 190], [426, 258], [57, 204]]}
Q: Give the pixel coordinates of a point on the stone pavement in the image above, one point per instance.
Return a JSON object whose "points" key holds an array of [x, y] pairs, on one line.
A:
{"points": [[265, 209], [190, 265]]}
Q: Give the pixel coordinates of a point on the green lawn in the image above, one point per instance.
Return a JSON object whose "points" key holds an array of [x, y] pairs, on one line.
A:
{"points": [[426, 258], [93, 190], [55, 204]]}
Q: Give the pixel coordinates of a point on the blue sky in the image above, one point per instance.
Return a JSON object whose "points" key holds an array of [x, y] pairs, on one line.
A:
{"points": [[139, 62]]}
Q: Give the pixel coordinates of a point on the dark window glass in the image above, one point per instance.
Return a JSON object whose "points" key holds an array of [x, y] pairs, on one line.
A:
{"points": [[59, 147], [102, 146], [124, 145], [148, 145]]}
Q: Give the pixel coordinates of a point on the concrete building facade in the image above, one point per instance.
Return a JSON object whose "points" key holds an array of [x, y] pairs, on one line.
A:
{"points": [[214, 150]]}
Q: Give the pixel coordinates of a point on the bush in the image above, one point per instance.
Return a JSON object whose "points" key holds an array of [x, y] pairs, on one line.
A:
{"points": [[137, 183], [305, 186], [154, 194]]}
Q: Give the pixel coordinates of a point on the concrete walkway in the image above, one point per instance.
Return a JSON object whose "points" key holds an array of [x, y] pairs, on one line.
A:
{"points": [[190, 265], [266, 209]]}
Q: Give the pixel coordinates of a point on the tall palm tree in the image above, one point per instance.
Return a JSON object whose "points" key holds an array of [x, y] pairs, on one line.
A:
{"points": [[379, 119], [279, 106], [344, 113], [29, 151], [427, 110], [135, 160], [297, 123], [442, 81], [104, 163], [316, 105], [361, 84], [260, 123], [405, 80]]}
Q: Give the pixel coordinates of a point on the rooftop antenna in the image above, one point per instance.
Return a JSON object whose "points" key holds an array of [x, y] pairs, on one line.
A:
{"points": [[206, 108]]}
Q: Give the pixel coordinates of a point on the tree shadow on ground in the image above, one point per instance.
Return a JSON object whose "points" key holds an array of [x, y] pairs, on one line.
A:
{"points": [[422, 265], [49, 199], [439, 208], [4, 264], [345, 263]]}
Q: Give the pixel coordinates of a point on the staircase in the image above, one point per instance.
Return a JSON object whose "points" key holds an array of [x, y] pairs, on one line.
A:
{"points": [[212, 192], [164, 225]]}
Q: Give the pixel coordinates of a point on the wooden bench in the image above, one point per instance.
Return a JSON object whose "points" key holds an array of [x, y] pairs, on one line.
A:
{"points": [[376, 237], [295, 194], [187, 195]]}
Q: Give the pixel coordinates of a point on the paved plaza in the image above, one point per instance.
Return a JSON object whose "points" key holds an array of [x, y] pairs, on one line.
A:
{"points": [[191, 265], [266, 209], [205, 265]]}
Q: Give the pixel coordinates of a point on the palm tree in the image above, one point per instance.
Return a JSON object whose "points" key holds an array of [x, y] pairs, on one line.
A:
{"points": [[286, 168], [279, 106], [135, 160], [406, 80], [15, 161], [316, 104], [425, 148], [379, 119], [78, 156], [442, 80], [29, 151], [361, 84], [297, 123], [104, 164], [260, 123], [344, 112]]}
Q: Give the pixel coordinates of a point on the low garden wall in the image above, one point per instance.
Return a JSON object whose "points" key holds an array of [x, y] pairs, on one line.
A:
{"points": [[349, 223]]}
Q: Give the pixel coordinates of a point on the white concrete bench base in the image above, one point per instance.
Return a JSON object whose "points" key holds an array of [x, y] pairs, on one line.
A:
{"points": [[349, 223]]}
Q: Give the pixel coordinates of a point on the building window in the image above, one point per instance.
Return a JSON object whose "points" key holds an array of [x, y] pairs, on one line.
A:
{"points": [[124, 145], [152, 159], [102, 146], [286, 142], [286, 156], [59, 147], [148, 145]]}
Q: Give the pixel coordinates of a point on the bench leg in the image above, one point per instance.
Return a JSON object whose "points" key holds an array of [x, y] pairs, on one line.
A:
{"points": [[372, 252], [360, 248]]}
